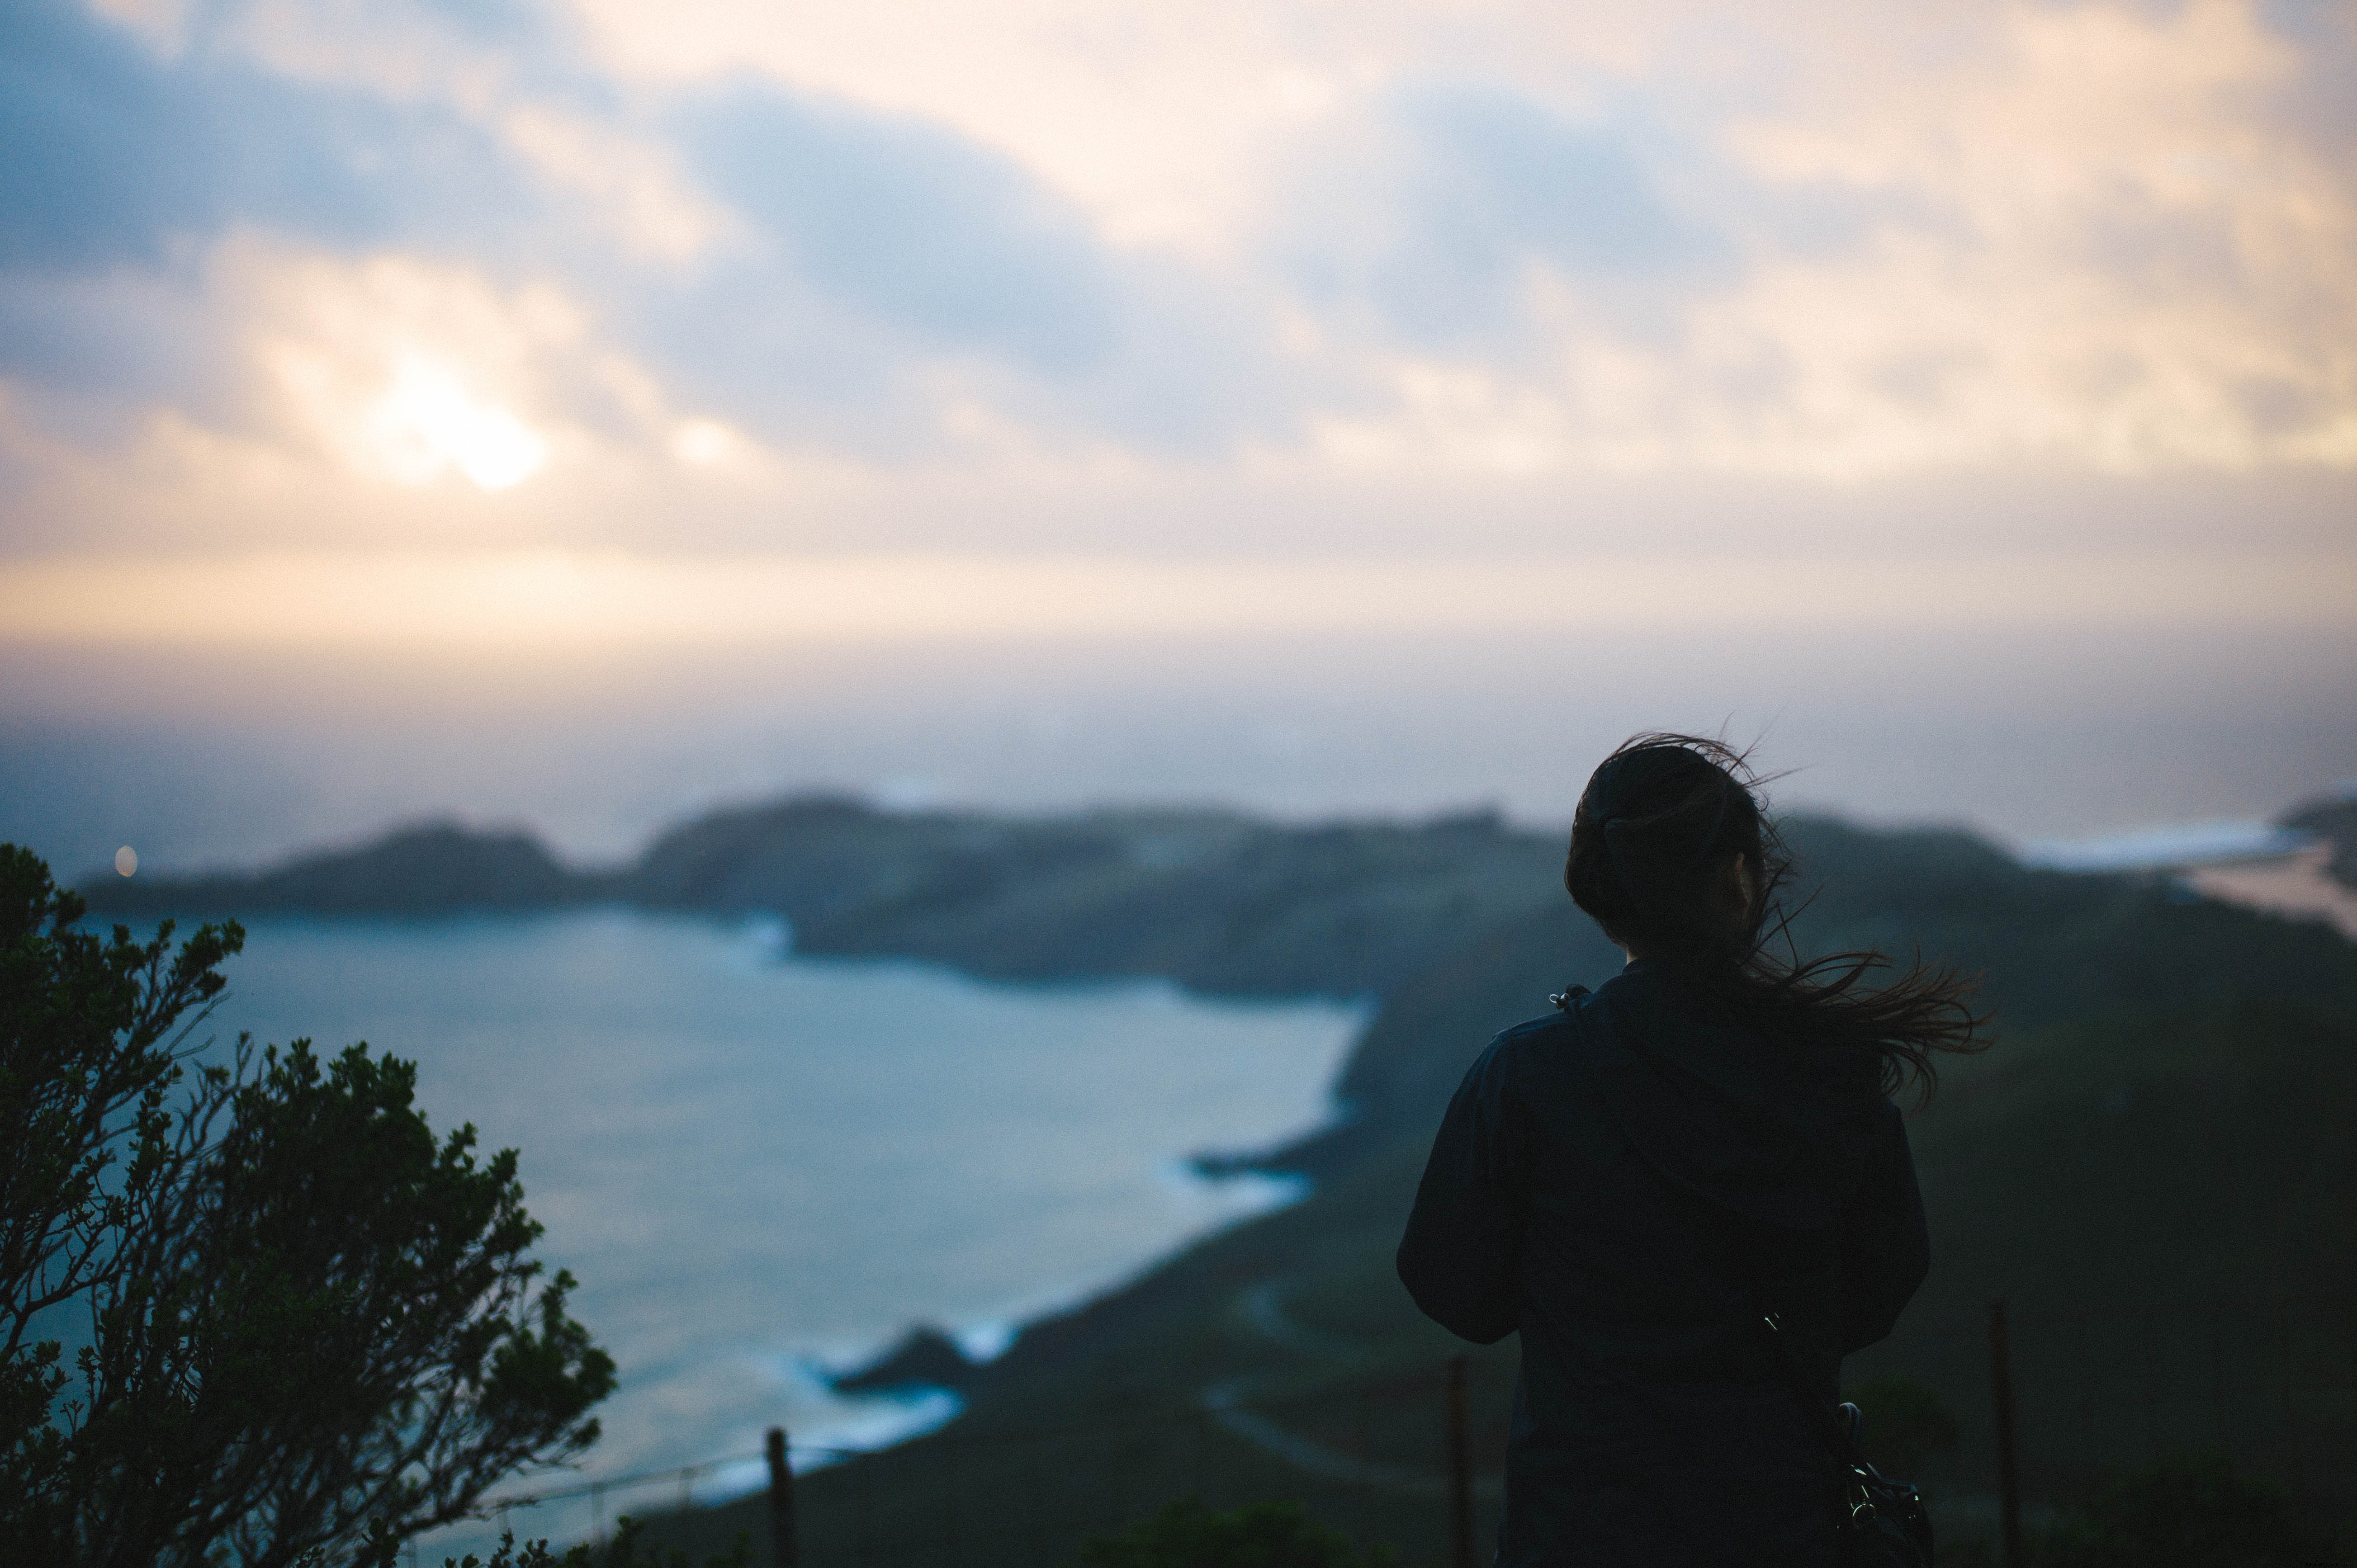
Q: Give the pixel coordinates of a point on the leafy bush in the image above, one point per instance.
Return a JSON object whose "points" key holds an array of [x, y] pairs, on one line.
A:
{"points": [[622, 1552], [314, 1326], [1186, 1534]]}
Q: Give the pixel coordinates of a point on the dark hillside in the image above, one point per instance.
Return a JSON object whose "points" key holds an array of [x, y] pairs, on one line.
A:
{"points": [[2152, 1167], [814, 859], [1457, 927], [432, 869], [2049, 946], [2055, 945], [1220, 903], [2335, 821], [2166, 1203]]}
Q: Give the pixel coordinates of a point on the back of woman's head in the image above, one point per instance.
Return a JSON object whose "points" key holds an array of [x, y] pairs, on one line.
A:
{"points": [[1670, 851], [1673, 854]]}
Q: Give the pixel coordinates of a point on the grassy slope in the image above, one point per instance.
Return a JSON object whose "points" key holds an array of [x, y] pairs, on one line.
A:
{"points": [[2150, 1197], [2164, 1200], [2151, 1167]]}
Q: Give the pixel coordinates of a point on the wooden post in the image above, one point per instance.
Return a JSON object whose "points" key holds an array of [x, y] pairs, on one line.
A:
{"points": [[1036, 1511], [785, 1552], [2008, 1470], [950, 1456], [1461, 1471]]}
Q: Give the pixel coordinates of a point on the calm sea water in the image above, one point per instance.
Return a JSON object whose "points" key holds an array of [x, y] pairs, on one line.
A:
{"points": [[760, 1165]]}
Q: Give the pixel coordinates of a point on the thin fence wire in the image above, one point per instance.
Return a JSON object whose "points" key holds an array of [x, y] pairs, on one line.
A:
{"points": [[537, 1513], [2270, 1382]]}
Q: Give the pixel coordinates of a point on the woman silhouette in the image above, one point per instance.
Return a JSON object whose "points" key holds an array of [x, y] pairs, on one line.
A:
{"points": [[1630, 1181]]}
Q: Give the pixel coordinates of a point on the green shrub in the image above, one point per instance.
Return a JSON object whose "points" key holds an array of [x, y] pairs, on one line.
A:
{"points": [[1186, 1534], [312, 1325], [622, 1552]]}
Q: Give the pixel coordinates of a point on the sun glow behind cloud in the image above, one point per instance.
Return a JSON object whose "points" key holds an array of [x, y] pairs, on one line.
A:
{"points": [[427, 424]]}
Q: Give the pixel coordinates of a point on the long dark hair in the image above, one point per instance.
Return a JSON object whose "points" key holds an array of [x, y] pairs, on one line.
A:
{"points": [[1673, 855]]}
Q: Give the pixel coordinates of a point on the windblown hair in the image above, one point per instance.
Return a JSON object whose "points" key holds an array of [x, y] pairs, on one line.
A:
{"points": [[1654, 846]]}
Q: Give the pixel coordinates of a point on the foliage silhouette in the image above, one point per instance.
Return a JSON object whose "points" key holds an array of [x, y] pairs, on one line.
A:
{"points": [[88, 1057], [622, 1552], [1186, 1534], [311, 1324]]}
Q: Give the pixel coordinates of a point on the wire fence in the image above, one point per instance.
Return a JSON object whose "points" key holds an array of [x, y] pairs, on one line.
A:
{"points": [[676, 1486], [2269, 1381], [1413, 1461], [1371, 1457]]}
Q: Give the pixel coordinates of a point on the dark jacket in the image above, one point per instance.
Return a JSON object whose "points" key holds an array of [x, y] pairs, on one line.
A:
{"points": [[1625, 1182]]}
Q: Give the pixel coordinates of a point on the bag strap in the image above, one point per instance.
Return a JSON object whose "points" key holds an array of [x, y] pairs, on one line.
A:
{"points": [[1830, 1428]]}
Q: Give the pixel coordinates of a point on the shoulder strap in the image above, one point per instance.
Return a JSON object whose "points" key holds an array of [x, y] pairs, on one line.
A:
{"points": [[1831, 1429]]}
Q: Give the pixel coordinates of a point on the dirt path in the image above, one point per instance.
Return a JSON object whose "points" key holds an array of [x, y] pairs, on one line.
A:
{"points": [[1262, 1308]]}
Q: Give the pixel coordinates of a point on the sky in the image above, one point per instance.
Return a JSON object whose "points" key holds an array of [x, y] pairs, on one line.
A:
{"points": [[577, 411]]}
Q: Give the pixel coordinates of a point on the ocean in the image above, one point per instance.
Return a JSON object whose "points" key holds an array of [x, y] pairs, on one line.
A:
{"points": [[762, 1166]]}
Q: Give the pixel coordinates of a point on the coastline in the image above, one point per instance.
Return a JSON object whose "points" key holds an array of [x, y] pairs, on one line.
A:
{"points": [[596, 1041]]}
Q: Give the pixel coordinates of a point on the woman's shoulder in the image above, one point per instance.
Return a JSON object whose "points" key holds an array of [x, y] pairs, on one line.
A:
{"points": [[1566, 1019], [1563, 1035]]}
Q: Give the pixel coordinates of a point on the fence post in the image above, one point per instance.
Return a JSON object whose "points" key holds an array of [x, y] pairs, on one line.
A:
{"points": [[1037, 1507], [1461, 1471], [1038, 1519], [2008, 1472], [785, 1551], [867, 1469], [954, 1531]]}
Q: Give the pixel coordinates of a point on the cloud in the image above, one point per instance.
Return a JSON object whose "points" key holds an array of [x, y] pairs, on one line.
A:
{"points": [[863, 253], [136, 161], [100, 342], [2093, 239], [1474, 187], [894, 287], [796, 265], [115, 154], [913, 224], [108, 153], [997, 258]]}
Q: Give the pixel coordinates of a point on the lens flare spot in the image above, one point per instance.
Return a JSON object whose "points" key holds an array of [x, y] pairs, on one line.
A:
{"points": [[428, 422]]}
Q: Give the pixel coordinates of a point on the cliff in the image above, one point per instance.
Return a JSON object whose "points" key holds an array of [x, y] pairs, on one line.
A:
{"points": [[1454, 926]]}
